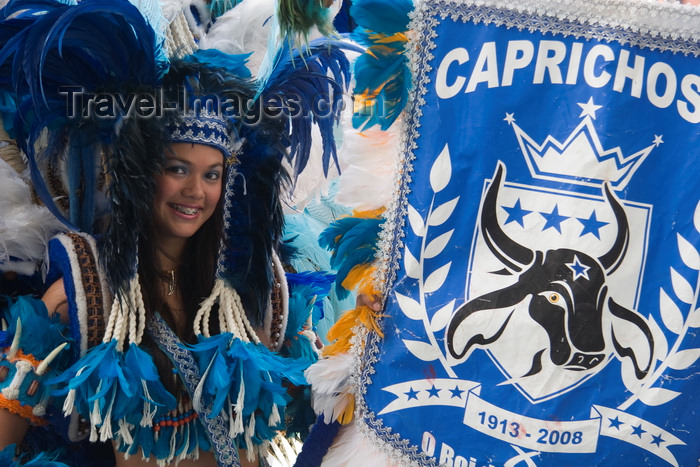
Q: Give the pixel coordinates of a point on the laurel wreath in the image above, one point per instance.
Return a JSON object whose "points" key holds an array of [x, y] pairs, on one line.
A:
{"points": [[677, 320], [440, 175]]}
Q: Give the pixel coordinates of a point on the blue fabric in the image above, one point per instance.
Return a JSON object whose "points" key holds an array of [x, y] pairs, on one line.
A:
{"points": [[60, 267], [317, 444], [543, 272]]}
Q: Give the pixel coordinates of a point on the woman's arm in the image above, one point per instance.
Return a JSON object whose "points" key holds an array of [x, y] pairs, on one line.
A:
{"points": [[13, 427]]}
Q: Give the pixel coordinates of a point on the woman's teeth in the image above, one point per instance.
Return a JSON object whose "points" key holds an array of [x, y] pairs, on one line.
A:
{"points": [[185, 210]]}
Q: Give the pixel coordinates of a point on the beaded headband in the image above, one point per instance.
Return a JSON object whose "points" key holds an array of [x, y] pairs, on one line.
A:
{"points": [[207, 128]]}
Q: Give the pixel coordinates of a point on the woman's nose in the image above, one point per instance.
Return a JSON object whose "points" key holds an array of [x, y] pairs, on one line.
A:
{"points": [[193, 189]]}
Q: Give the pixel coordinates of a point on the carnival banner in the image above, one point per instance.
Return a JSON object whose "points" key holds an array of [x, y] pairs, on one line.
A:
{"points": [[541, 265]]}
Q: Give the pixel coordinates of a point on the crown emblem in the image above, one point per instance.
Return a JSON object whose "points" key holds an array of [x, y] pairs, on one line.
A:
{"points": [[581, 158]]}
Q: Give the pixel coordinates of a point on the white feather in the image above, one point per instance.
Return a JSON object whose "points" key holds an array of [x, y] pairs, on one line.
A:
{"points": [[242, 29], [352, 448], [171, 8], [332, 385], [311, 185], [246, 28], [367, 164], [25, 228]]}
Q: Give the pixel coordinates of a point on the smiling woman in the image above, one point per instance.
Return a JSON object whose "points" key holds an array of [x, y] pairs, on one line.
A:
{"points": [[179, 339]]}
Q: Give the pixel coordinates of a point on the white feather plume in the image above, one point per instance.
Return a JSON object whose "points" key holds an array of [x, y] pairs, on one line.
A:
{"points": [[332, 385], [247, 28], [243, 29], [171, 8], [25, 228], [351, 448], [367, 164]]}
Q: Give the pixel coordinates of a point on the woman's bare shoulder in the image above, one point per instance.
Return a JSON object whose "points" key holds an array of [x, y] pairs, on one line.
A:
{"points": [[56, 300]]}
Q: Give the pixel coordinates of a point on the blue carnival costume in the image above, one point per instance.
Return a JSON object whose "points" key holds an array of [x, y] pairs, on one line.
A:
{"points": [[96, 57]]}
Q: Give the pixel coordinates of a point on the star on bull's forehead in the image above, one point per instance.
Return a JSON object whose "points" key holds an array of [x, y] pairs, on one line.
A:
{"points": [[578, 269]]}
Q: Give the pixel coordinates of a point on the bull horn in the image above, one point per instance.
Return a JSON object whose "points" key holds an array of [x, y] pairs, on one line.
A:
{"points": [[508, 251], [613, 258]]}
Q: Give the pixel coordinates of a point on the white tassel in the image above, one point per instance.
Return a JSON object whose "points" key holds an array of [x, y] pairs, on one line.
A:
{"points": [[250, 452], [186, 437], [149, 411], [238, 408], [274, 418], [40, 408], [93, 433], [249, 431], [69, 402], [11, 392], [125, 432], [106, 429], [231, 420], [197, 396], [173, 444], [95, 415]]}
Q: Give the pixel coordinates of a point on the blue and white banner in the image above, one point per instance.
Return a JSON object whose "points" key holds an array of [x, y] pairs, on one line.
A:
{"points": [[542, 266]]}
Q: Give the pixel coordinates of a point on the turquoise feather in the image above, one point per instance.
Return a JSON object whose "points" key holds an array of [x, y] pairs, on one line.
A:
{"points": [[40, 334], [233, 365], [354, 243], [383, 16]]}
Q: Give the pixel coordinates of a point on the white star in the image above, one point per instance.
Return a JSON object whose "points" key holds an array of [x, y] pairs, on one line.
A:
{"points": [[578, 269], [658, 140], [509, 118], [589, 109]]}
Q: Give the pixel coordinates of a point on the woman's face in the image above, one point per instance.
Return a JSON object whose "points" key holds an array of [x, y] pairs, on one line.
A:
{"points": [[188, 190]]}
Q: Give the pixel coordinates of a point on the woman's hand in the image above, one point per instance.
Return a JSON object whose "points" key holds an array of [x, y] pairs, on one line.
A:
{"points": [[373, 302]]}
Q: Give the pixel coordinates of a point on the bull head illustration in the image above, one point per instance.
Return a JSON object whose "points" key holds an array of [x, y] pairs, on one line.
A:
{"points": [[560, 295]]}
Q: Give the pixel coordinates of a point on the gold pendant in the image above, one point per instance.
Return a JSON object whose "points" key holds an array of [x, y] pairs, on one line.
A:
{"points": [[171, 283]]}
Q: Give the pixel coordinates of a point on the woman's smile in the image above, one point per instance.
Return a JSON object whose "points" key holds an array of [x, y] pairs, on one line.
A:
{"points": [[188, 211]]}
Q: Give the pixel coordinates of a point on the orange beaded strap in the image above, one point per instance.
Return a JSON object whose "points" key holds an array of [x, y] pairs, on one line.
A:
{"points": [[22, 391]]}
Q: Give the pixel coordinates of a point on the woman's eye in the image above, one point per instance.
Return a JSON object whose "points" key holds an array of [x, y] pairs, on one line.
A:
{"points": [[175, 169], [213, 176]]}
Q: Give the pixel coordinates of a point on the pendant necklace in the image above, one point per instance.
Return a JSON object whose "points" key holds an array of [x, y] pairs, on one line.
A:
{"points": [[171, 282]]}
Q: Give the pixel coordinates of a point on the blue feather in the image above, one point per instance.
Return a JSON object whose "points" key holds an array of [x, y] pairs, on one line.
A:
{"points": [[300, 79], [383, 16], [219, 7], [40, 333], [214, 58], [354, 242], [95, 46], [116, 381], [7, 459], [382, 77], [312, 288], [249, 367]]}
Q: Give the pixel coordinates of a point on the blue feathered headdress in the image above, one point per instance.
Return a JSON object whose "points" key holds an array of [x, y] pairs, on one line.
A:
{"points": [[58, 61]]}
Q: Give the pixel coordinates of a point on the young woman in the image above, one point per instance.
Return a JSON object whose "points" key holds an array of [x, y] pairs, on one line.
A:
{"points": [[185, 361]]}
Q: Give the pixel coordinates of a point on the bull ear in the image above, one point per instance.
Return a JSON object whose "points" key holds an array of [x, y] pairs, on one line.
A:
{"points": [[477, 329], [632, 338]]}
